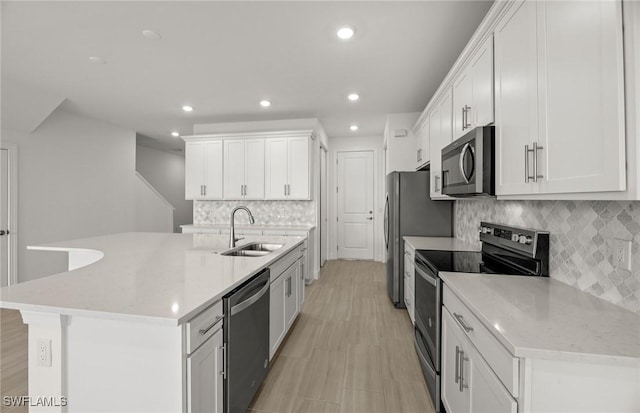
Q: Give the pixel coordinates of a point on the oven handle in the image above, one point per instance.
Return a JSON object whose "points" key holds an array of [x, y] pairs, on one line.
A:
{"points": [[425, 362], [427, 277]]}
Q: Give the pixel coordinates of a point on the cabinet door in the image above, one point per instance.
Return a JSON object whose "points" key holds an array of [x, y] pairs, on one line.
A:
{"points": [[462, 98], [234, 168], [299, 163], [194, 170], [204, 375], [276, 168], [291, 294], [481, 112], [516, 96], [486, 393], [418, 138], [254, 169], [276, 314], [581, 97], [435, 125], [301, 282], [426, 143], [453, 397]]}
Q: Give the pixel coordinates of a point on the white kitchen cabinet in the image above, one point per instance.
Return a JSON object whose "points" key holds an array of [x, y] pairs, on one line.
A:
{"points": [[468, 383], [244, 169], [277, 325], [203, 170], [291, 276], [287, 168], [473, 91], [560, 98], [409, 281], [205, 367], [441, 134], [422, 145]]}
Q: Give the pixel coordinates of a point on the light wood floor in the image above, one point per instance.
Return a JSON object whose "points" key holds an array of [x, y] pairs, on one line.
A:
{"points": [[349, 351], [13, 358]]}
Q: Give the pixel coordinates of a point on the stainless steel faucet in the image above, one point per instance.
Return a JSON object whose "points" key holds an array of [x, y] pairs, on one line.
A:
{"points": [[232, 230]]}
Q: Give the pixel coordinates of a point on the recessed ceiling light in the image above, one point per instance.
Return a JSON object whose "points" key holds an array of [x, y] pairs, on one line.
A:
{"points": [[97, 60], [175, 134], [353, 128], [151, 35], [353, 97], [187, 108], [346, 32], [265, 103]]}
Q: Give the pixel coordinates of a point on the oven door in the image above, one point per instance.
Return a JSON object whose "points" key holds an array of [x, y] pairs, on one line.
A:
{"points": [[428, 310]]}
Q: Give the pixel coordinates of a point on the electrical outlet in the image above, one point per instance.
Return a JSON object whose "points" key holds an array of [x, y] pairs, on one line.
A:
{"points": [[622, 254], [43, 349]]}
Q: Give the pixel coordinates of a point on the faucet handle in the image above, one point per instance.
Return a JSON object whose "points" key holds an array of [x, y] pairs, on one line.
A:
{"points": [[238, 239]]}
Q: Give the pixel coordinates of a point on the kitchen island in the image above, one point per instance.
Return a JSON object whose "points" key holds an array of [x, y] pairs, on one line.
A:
{"points": [[117, 322]]}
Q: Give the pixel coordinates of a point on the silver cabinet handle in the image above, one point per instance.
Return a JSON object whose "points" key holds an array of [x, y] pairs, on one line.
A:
{"points": [[285, 189], [436, 179], [457, 375], [201, 190], [205, 190], [462, 360], [245, 190], [534, 151], [466, 117], [206, 330], [536, 148], [223, 349], [464, 112], [462, 323]]}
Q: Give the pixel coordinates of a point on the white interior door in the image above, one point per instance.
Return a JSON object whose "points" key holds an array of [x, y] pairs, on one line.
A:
{"points": [[4, 218], [355, 205]]}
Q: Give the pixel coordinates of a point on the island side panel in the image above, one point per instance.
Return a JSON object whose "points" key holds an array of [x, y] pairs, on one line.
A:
{"points": [[123, 366]]}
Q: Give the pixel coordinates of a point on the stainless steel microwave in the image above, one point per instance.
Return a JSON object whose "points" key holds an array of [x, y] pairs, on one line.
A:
{"points": [[468, 164]]}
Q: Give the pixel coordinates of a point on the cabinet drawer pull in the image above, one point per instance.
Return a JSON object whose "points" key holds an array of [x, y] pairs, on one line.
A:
{"points": [[206, 330], [436, 180], [462, 323], [466, 117], [462, 360], [223, 372]]}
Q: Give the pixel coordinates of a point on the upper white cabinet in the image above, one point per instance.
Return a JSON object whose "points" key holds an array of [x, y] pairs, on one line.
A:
{"points": [[473, 91], [244, 169], [267, 165], [423, 144], [560, 98], [441, 121], [203, 170], [287, 168]]}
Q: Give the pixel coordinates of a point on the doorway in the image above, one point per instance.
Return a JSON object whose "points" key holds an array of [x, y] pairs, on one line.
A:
{"points": [[8, 211], [355, 194], [324, 222]]}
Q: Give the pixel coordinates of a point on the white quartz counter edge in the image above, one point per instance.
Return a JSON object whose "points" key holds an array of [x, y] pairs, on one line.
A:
{"points": [[583, 352], [440, 244], [248, 226], [30, 304]]}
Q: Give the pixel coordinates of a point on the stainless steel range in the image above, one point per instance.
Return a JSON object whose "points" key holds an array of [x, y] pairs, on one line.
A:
{"points": [[505, 250]]}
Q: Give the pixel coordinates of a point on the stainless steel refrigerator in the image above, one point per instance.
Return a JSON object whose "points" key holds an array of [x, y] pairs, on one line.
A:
{"points": [[410, 211]]}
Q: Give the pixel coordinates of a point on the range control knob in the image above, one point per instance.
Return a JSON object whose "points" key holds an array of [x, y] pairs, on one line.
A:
{"points": [[486, 230], [515, 237], [525, 240]]}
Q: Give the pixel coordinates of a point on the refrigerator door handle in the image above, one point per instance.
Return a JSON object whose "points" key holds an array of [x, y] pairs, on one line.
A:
{"points": [[386, 223]]}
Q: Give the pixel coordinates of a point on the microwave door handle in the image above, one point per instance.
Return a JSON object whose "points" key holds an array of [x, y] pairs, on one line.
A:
{"points": [[463, 152]]}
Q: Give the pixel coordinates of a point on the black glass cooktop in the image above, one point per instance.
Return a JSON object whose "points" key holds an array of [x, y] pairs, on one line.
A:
{"points": [[453, 261]]}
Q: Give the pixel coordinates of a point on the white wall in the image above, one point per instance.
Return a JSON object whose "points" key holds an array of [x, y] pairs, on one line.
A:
{"points": [[365, 143], [153, 213], [165, 171], [400, 152], [75, 179]]}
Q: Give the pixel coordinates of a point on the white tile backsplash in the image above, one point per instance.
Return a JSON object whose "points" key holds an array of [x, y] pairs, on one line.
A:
{"points": [[264, 212], [582, 234]]}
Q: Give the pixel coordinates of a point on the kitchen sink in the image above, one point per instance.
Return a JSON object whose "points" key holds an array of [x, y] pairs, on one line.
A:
{"points": [[254, 249]]}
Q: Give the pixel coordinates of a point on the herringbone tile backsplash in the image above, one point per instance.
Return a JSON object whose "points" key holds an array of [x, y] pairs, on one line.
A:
{"points": [[582, 234]]}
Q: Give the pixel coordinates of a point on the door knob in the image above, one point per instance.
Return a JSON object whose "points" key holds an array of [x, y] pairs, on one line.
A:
{"points": [[3, 232], [370, 218]]}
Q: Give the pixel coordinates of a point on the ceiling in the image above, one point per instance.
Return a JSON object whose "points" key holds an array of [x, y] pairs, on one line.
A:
{"points": [[224, 57]]}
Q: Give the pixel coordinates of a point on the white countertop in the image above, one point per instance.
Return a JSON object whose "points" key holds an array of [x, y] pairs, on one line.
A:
{"points": [[540, 317], [441, 244], [148, 277], [254, 226]]}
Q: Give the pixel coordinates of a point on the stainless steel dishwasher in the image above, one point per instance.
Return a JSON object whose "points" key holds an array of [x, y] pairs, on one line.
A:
{"points": [[246, 338]]}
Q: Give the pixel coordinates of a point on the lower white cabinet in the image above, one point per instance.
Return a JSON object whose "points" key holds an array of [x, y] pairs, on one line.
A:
{"points": [[468, 383], [409, 281], [286, 297], [205, 369]]}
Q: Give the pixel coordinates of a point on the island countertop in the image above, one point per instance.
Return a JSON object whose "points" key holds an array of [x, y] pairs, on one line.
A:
{"points": [[539, 317], [148, 277]]}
